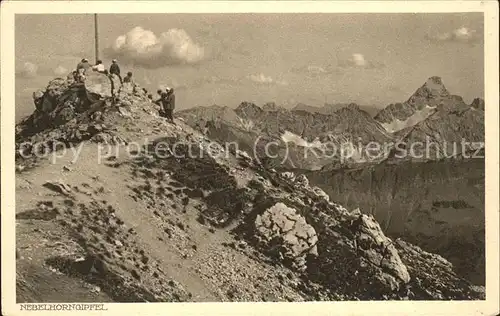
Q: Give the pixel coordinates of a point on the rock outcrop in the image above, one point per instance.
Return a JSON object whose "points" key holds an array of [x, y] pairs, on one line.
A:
{"points": [[286, 234], [69, 112], [478, 103]]}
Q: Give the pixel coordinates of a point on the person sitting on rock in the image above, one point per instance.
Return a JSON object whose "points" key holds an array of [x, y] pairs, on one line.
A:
{"points": [[99, 67], [128, 78], [114, 69]]}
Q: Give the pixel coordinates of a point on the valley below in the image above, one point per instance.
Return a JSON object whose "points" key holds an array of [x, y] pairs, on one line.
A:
{"points": [[438, 205]]}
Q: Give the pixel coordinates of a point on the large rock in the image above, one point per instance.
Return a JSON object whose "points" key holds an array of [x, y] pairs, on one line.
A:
{"points": [[286, 234], [55, 89], [99, 83], [379, 249]]}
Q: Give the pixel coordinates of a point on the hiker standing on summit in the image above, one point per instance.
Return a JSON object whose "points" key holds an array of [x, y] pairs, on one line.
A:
{"points": [[168, 101], [114, 69]]}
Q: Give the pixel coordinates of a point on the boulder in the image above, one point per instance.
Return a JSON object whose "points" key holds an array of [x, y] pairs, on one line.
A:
{"points": [[380, 250], [98, 83], [286, 234], [58, 186]]}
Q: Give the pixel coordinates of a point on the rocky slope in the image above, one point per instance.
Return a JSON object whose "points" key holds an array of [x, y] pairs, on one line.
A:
{"points": [[438, 205], [175, 219]]}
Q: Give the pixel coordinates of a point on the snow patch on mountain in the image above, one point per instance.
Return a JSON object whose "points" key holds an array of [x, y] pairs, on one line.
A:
{"points": [[415, 118], [289, 137]]}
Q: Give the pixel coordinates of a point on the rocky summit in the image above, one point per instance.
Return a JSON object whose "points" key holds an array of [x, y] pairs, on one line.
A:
{"points": [[131, 208]]}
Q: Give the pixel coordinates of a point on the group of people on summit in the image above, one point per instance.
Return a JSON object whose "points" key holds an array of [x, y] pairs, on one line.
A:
{"points": [[84, 65], [166, 99]]}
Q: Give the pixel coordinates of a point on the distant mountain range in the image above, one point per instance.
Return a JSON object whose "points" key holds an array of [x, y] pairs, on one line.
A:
{"points": [[328, 108], [305, 137]]}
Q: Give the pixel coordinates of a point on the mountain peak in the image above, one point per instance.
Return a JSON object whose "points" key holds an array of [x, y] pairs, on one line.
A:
{"points": [[248, 110], [270, 106], [247, 105], [435, 80], [353, 106], [478, 103], [433, 88]]}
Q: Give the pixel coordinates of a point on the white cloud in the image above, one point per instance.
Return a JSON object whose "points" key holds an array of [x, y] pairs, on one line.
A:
{"points": [[28, 70], [142, 47], [464, 34], [263, 79], [60, 71], [316, 69], [358, 60], [461, 34]]}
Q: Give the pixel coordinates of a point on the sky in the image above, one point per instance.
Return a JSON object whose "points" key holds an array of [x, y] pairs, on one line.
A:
{"points": [[366, 58]]}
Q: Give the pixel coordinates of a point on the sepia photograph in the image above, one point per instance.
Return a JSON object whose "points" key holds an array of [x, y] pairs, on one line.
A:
{"points": [[213, 157]]}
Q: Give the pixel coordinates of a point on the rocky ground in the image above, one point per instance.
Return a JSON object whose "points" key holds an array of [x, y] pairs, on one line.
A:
{"points": [[176, 220]]}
